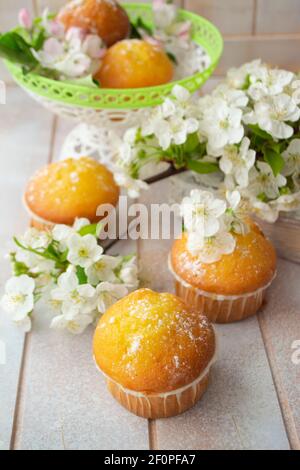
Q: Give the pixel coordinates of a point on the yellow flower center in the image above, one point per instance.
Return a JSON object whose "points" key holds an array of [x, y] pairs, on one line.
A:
{"points": [[83, 253], [18, 298]]}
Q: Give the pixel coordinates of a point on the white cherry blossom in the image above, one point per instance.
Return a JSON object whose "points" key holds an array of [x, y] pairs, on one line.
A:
{"points": [[292, 158], [237, 77], [221, 125], [174, 130], [181, 94], [263, 181], [201, 212], [37, 239], [103, 270], [295, 90], [61, 233], [270, 82], [264, 210], [132, 185], [18, 299], [287, 202], [83, 251], [34, 262], [74, 54], [234, 98], [211, 249], [234, 199], [238, 161], [129, 274], [235, 214], [272, 115], [73, 297], [107, 294], [74, 324]]}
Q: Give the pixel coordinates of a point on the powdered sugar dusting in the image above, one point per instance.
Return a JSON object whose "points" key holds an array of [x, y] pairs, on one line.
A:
{"points": [[161, 333]]}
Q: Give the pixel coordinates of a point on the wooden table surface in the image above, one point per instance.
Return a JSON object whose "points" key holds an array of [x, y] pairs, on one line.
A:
{"points": [[51, 395]]}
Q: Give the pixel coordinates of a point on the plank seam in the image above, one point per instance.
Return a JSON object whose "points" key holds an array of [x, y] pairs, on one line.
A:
{"points": [[283, 401], [52, 139], [153, 445], [19, 395]]}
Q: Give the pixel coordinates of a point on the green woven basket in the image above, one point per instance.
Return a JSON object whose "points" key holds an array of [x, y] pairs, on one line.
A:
{"points": [[204, 34]]}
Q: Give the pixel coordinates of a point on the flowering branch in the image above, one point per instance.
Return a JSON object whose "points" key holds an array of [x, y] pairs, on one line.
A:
{"points": [[246, 131], [69, 270]]}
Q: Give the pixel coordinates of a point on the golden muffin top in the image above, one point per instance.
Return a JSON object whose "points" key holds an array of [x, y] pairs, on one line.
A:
{"points": [[134, 63], [106, 18], [72, 188], [153, 343], [252, 265]]}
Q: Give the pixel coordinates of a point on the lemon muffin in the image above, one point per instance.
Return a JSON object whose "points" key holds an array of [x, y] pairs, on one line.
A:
{"points": [[134, 63], [155, 352], [232, 288], [106, 18], [63, 191]]}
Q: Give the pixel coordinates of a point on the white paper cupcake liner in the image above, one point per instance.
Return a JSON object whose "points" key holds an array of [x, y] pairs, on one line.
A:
{"points": [[220, 308], [36, 218], [161, 405]]}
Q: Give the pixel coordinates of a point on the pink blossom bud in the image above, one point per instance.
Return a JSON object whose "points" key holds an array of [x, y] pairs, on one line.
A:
{"points": [[75, 34], [185, 29], [25, 18], [158, 3], [153, 41], [56, 29]]}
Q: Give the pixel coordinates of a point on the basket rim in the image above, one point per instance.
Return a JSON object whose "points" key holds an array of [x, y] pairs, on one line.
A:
{"points": [[159, 90]]}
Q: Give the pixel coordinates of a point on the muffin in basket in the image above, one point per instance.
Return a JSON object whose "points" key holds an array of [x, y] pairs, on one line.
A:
{"points": [[223, 268], [155, 352], [134, 63], [106, 18], [64, 191]]}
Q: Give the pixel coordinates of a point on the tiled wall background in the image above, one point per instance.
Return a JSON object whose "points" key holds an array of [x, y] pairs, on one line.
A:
{"points": [[269, 29]]}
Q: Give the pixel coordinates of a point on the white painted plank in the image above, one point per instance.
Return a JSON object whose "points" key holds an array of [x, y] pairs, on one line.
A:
{"points": [[280, 324], [240, 409], [278, 51], [24, 139], [276, 16], [231, 16]]}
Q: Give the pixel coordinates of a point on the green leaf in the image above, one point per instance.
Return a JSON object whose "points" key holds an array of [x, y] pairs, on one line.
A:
{"points": [[191, 143], [202, 167], [18, 267], [136, 26], [284, 190], [258, 131], [262, 197], [81, 276], [14, 48], [274, 159], [172, 58], [39, 40], [88, 230], [247, 83]]}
